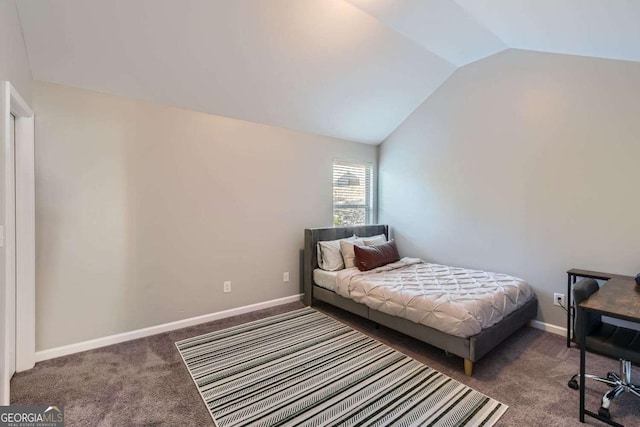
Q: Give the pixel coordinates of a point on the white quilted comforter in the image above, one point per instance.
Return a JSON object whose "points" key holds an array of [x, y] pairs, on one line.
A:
{"points": [[456, 301]]}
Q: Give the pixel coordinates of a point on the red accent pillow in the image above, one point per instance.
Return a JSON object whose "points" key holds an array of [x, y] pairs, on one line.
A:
{"points": [[370, 257]]}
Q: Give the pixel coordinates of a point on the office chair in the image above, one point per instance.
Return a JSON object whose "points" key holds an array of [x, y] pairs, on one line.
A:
{"points": [[609, 340]]}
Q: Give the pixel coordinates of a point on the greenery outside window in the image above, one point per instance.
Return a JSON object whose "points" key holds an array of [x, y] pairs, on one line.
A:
{"points": [[353, 193]]}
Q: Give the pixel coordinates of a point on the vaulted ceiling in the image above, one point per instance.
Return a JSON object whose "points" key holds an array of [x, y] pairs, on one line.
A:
{"points": [[352, 69]]}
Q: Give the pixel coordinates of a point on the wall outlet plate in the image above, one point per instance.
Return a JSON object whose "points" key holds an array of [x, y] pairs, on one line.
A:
{"points": [[227, 287], [285, 277], [558, 299]]}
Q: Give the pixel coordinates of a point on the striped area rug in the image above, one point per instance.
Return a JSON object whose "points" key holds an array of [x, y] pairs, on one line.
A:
{"points": [[303, 368]]}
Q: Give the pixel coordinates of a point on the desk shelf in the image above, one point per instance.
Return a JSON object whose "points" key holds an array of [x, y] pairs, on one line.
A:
{"points": [[572, 278]]}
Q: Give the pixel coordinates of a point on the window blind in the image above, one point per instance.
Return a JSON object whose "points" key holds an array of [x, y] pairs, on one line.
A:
{"points": [[352, 193]]}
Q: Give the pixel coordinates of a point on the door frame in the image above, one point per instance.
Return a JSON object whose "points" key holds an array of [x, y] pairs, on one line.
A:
{"points": [[11, 103]]}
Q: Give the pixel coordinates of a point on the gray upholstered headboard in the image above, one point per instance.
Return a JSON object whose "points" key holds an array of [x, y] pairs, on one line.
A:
{"points": [[311, 238]]}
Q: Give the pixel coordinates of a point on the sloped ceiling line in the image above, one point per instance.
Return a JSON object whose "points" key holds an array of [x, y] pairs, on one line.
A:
{"points": [[351, 69], [442, 27]]}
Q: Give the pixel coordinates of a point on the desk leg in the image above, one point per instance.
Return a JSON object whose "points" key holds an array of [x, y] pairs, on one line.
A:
{"points": [[582, 359], [569, 310]]}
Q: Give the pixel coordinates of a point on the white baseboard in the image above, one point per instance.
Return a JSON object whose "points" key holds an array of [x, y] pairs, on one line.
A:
{"points": [[179, 324], [547, 327], [154, 330]]}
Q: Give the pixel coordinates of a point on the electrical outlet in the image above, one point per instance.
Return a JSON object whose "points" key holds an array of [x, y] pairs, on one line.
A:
{"points": [[227, 287], [285, 277], [558, 299]]}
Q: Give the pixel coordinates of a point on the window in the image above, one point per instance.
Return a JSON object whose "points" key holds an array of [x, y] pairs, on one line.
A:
{"points": [[353, 195]]}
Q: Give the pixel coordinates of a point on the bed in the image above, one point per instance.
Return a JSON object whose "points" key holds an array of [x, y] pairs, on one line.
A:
{"points": [[466, 339]]}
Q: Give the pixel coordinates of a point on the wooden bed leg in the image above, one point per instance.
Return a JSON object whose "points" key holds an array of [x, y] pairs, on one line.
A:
{"points": [[468, 367]]}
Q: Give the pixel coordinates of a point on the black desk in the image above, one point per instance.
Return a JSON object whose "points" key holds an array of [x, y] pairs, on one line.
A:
{"points": [[618, 298], [572, 277]]}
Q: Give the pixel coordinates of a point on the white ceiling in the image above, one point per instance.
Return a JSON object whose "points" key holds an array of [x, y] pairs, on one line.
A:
{"points": [[599, 28], [440, 26], [321, 66], [353, 69]]}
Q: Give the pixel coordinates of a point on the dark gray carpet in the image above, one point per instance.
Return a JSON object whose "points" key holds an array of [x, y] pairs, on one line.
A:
{"points": [[144, 382]]}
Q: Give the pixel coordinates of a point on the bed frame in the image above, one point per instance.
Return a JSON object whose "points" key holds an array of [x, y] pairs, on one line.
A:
{"points": [[470, 349]]}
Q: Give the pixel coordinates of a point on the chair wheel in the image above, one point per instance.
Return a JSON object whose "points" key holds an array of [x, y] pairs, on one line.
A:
{"points": [[573, 384], [604, 412]]}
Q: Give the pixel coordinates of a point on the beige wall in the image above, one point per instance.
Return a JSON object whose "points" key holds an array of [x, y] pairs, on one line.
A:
{"points": [[526, 163], [143, 211]]}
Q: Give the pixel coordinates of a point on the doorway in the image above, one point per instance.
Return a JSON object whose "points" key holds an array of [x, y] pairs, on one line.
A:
{"points": [[9, 233], [17, 237]]}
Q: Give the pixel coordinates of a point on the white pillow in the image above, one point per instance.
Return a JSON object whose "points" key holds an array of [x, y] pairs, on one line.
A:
{"points": [[374, 240], [329, 255], [348, 253]]}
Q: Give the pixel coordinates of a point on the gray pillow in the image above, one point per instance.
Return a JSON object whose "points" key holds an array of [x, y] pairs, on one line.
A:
{"points": [[374, 240], [329, 255]]}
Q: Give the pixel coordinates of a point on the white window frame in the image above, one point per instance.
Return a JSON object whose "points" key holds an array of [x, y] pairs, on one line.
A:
{"points": [[372, 193]]}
